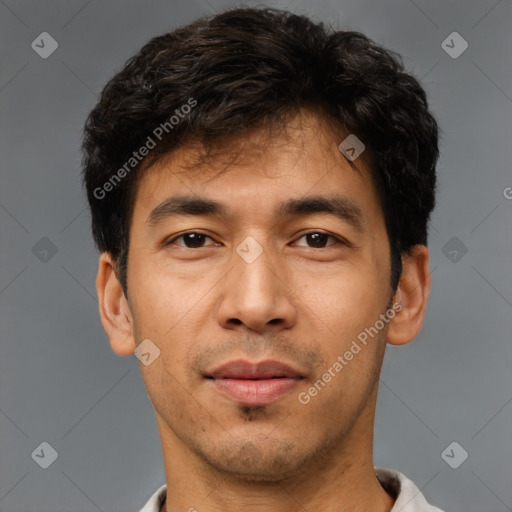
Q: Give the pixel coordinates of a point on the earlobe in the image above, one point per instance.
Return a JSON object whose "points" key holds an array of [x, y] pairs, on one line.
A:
{"points": [[412, 293], [114, 309]]}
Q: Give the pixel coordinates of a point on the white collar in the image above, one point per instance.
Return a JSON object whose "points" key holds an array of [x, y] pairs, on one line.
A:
{"points": [[408, 497]]}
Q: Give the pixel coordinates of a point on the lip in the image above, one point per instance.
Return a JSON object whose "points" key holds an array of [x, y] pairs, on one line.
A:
{"points": [[259, 383], [241, 369]]}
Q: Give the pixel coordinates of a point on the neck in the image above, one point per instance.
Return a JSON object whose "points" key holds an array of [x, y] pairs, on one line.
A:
{"points": [[341, 480]]}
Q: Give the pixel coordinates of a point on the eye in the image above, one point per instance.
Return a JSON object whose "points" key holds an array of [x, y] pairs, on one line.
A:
{"points": [[192, 240], [319, 239], [195, 240]]}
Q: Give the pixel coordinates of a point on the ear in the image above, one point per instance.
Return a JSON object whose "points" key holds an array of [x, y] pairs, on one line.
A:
{"points": [[114, 310], [412, 293]]}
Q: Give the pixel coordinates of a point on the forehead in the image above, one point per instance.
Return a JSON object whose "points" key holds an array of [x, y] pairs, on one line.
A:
{"points": [[251, 174]]}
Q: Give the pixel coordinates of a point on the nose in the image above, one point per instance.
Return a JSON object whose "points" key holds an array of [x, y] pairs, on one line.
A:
{"points": [[257, 296]]}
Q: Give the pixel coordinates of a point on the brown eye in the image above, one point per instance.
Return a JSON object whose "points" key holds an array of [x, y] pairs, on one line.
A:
{"points": [[191, 240], [318, 240]]}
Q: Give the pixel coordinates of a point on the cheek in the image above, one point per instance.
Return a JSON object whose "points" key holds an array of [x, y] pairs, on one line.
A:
{"points": [[340, 310], [170, 395], [161, 301], [344, 301]]}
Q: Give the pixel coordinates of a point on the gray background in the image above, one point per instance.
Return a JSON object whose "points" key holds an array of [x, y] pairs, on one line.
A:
{"points": [[61, 383]]}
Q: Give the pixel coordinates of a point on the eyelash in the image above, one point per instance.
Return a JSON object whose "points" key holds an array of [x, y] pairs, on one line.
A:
{"points": [[338, 240]]}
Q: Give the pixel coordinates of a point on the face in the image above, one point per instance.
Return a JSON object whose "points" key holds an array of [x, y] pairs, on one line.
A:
{"points": [[252, 282]]}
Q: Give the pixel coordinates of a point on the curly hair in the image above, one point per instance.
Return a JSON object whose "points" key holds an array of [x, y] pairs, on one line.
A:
{"points": [[245, 69]]}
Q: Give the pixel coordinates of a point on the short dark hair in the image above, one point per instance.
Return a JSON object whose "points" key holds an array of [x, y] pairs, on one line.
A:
{"points": [[249, 68]]}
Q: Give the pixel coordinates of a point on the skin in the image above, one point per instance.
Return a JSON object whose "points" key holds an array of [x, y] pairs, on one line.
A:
{"points": [[300, 303]]}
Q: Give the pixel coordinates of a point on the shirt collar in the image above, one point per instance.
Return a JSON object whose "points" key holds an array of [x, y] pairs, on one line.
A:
{"points": [[408, 497]]}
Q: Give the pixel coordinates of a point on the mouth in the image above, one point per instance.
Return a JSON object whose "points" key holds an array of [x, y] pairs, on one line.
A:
{"points": [[254, 383]]}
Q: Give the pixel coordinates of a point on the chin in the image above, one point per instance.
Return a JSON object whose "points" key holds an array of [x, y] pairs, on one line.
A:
{"points": [[270, 460]]}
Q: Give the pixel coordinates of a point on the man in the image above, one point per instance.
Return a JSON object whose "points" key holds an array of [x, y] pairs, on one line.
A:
{"points": [[260, 189]]}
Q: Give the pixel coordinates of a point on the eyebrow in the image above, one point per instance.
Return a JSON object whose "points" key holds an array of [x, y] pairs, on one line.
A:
{"points": [[339, 206]]}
